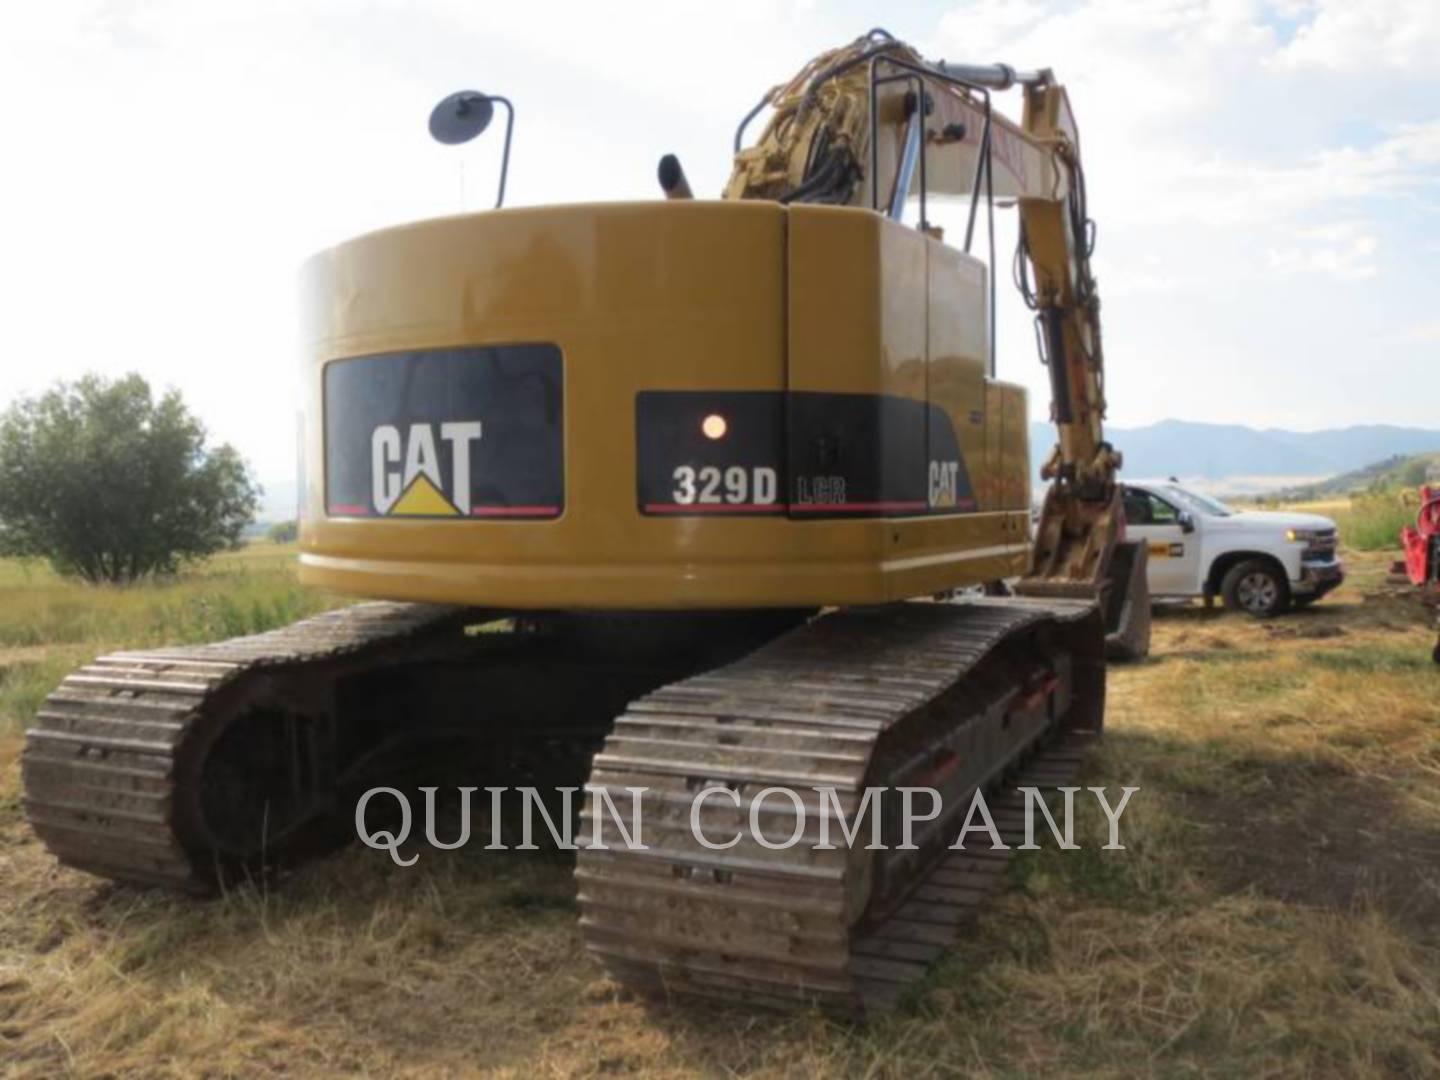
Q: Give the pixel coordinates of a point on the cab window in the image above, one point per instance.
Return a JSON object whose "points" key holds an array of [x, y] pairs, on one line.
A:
{"points": [[1142, 508]]}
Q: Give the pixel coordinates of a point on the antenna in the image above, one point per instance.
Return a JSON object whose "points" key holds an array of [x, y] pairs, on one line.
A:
{"points": [[464, 115]]}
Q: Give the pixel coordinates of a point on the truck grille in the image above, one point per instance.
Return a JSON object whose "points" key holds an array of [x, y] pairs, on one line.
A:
{"points": [[1324, 546]]}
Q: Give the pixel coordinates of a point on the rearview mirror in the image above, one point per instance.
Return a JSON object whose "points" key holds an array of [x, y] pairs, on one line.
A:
{"points": [[1187, 521], [460, 117], [465, 114]]}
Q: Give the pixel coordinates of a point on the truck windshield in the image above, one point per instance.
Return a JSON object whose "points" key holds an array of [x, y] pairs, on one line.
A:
{"points": [[1194, 501]]}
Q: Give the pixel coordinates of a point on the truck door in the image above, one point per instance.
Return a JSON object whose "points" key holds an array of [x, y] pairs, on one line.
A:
{"points": [[1174, 553]]}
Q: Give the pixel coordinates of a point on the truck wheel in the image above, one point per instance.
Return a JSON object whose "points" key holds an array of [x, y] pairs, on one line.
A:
{"points": [[1257, 588]]}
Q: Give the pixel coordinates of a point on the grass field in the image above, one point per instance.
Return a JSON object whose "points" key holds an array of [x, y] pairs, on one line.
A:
{"points": [[1367, 522], [49, 625], [1372, 522], [1276, 912]]}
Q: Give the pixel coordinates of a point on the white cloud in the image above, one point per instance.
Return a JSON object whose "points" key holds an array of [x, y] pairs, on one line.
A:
{"points": [[1420, 334], [1231, 192], [1356, 37], [1240, 186], [1344, 250], [1177, 94]]}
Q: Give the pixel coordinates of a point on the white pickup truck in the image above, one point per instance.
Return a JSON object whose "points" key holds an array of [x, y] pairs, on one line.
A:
{"points": [[1261, 562]]}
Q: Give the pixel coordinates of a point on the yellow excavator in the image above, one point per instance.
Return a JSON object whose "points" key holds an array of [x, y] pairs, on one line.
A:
{"points": [[695, 494]]}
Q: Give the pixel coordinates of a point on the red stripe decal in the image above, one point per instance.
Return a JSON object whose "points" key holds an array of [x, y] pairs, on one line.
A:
{"points": [[514, 511], [351, 510], [711, 508], [812, 508], [780, 508]]}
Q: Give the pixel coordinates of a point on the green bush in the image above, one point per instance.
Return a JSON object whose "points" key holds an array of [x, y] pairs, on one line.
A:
{"points": [[111, 484]]}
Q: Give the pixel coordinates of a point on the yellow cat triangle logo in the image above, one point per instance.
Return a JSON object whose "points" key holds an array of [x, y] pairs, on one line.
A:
{"points": [[423, 499]]}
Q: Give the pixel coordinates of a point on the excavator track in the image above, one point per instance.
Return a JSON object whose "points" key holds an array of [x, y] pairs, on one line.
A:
{"points": [[107, 761], [955, 696], [186, 767], [119, 780]]}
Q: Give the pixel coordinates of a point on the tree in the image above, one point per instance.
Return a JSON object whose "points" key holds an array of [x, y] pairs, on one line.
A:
{"points": [[283, 532], [111, 485]]}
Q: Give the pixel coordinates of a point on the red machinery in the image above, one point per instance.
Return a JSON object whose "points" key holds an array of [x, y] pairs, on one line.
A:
{"points": [[1422, 549], [1422, 542]]}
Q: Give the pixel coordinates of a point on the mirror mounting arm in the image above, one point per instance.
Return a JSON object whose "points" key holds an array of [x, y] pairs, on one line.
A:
{"points": [[505, 153]]}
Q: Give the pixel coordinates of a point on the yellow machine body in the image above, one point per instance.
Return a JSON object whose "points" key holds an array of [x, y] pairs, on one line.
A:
{"points": [[703, 421], [787, 307]]}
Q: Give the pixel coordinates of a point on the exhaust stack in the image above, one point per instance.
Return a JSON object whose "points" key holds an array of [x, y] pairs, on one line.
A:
{"points": [[672, 179]]}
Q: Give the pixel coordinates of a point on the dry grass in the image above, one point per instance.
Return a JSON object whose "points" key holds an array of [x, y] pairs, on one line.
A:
{"points": [[1276, 914]]}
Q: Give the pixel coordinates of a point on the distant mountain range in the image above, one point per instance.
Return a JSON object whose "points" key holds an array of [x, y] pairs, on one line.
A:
{"points": [[1218, 451]]}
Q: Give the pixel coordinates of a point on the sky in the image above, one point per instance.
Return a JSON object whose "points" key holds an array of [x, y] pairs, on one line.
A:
{"points": [[1265, 175]]}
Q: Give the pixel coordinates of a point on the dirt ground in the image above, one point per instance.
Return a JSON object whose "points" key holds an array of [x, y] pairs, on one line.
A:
{"points": [[1276, 912]]}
